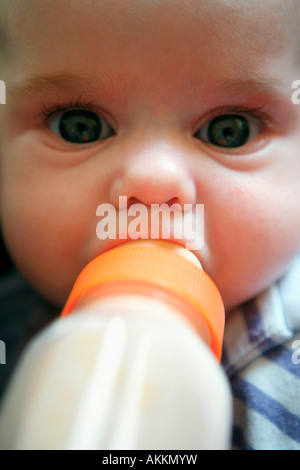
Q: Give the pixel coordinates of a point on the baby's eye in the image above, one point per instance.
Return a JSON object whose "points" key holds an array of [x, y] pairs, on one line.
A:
{"points": [[80, 126], [228, 131]]}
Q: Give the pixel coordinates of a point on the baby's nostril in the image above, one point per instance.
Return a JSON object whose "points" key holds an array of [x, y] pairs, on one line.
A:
{"points": [[133, 200], [174, 200]]}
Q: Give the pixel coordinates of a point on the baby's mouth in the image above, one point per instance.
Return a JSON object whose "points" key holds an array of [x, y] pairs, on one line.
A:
{"points": [[182, 227]]}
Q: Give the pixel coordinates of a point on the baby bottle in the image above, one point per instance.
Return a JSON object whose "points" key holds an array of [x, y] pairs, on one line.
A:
{"points": [[133, 362]]}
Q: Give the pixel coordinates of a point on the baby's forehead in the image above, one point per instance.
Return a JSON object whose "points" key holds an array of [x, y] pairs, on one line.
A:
{"points": [[17, 13], [30, 25]]}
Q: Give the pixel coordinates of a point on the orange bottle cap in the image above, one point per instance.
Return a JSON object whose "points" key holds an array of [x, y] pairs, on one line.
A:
{"points": [[163, 269]]}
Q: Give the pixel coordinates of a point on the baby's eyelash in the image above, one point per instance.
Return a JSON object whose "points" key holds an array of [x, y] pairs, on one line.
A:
{"points": [[257, 113], [49, 109]]}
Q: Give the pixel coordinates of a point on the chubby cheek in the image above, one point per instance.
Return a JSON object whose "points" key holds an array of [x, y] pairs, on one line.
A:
{"points": [[46, 221], [257, 237]]}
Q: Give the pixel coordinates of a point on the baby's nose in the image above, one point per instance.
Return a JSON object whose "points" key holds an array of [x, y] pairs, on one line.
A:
{"points": [[155, 176]]}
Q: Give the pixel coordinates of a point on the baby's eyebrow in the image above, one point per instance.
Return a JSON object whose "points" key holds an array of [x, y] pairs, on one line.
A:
{"points": [[256, 84], [67, 82], [114, 85], [42, 84], [244, 86]]}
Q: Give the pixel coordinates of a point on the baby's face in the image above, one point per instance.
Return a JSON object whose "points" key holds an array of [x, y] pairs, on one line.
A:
{"points": [[186, 102]]}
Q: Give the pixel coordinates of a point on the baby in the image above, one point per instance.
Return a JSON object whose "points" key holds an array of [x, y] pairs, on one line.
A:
{"points": [[164, 101]]}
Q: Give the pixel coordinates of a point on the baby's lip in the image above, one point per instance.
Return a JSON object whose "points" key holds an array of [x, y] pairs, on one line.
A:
{"points": [[114, 243], [117, 242]]}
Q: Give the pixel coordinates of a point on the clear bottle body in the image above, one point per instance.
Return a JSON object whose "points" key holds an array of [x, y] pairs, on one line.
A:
{"points": [[122, 372]]}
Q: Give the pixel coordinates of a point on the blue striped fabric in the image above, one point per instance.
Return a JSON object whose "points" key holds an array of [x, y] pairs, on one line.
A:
{"points": [[262, 360]]}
